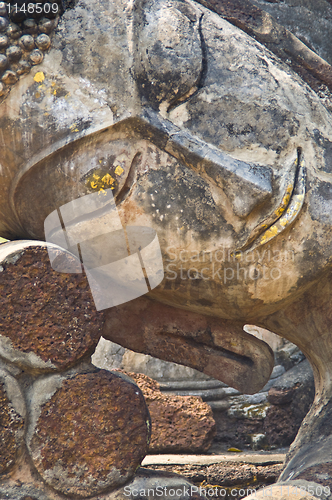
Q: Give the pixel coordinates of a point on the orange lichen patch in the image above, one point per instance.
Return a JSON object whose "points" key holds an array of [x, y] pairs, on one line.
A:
{"points": [[92, 434], [47, 313]]}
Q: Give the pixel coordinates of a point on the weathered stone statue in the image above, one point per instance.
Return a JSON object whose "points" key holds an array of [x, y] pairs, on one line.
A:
{"points": [[206, 136]]}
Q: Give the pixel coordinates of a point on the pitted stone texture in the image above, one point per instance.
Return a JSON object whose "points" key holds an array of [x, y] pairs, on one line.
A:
{"points": [[230, 475], [91, 434], [12, 413], [23, 492], [180, 424], [48, 320]]}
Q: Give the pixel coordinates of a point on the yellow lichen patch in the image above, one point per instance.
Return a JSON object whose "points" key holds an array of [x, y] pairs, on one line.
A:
{"points": [[287, 212], [119, 170], [39, 77], [294, 208], [270, 233], [108, 179], [73, 127], [100, 181], [280, 210]]}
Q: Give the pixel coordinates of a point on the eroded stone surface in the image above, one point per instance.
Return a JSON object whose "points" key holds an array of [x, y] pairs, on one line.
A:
{"points": [[48, 320], [242, 157], [90, 434], [12, 419], [321, 474], [306, 20], [267, 22], [290, 398], [215, 347], [19, 492], [227, 475], [180, 424], [145, 483]]}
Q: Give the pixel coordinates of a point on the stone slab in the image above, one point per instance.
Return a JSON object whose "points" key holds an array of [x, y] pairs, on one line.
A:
{"points": [[248, 458]]}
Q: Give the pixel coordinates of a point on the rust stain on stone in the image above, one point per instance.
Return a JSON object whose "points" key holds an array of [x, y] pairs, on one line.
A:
{"points": [[45, 312], [93, 423]]}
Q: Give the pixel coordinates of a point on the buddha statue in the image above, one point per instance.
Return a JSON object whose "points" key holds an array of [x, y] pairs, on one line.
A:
{"points": [[205, 138]]}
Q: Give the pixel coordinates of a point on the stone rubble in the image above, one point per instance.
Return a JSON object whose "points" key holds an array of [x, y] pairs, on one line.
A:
{"points": [[271, 418], [180, 424], [268, 419]]}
